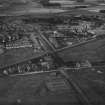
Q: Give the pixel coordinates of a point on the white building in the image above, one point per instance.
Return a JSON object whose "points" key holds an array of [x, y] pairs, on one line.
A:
{"points": [[62, 1]]}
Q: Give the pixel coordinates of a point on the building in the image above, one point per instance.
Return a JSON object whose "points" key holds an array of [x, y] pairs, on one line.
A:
{"points": [[62, 1], [22, 43]]}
